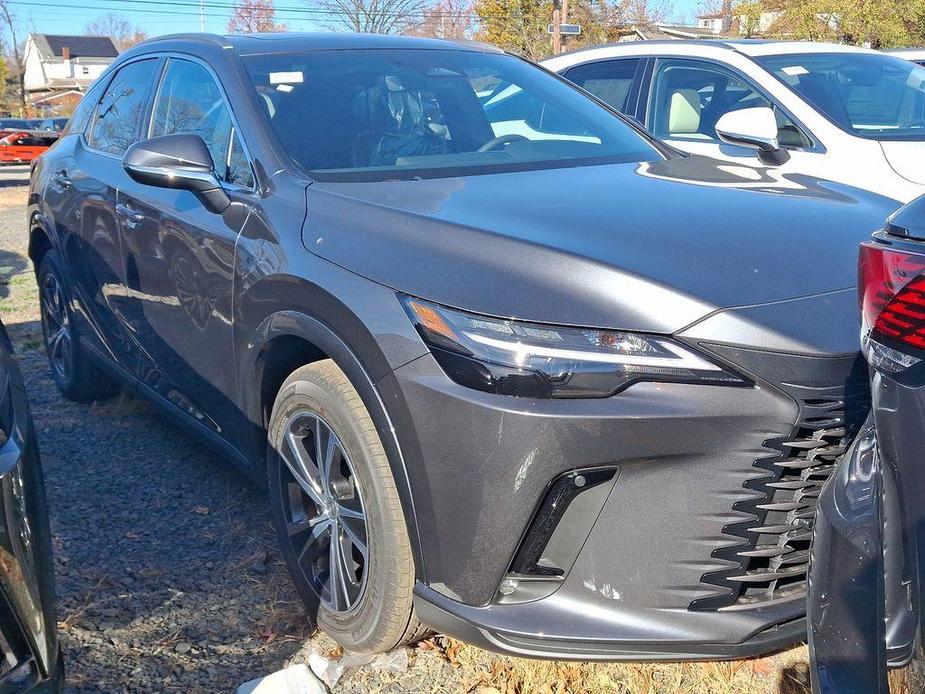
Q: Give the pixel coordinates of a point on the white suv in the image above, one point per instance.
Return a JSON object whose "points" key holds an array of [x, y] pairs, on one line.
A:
{"points": [[836, 112]]}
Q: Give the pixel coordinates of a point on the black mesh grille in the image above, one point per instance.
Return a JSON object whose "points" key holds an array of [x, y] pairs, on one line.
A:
{"points": [[771, 560]]}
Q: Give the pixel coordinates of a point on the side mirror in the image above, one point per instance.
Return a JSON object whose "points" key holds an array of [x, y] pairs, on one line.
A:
{"points": [[179, 161], [753, 127]]}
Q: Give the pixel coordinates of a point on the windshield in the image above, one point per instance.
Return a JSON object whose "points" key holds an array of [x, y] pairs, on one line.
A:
{"points": [[383, 114], [880, 97]]}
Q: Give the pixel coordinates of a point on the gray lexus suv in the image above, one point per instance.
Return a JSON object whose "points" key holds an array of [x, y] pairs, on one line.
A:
{"points": [[508, 367]]}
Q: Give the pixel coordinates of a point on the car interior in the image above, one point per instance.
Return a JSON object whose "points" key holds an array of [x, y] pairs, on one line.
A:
{"points": [[689, 101], [372, 117]]}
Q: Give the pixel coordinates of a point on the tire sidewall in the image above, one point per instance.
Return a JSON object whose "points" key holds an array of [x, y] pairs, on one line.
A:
{"points": [[52, 265], [356, 628]]}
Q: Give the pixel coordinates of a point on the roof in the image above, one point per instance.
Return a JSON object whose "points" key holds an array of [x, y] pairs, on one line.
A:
{"points": [[245, 44], [53, 45], [759, 48], [750, 47], [918, 53]]}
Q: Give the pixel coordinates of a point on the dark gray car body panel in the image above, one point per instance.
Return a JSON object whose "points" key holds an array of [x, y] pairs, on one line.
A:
{"points": [[865, 596], [683, 244], [31, 659]]}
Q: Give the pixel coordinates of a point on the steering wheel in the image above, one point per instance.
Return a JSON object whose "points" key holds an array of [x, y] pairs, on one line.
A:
{"points": [[495, 142]]}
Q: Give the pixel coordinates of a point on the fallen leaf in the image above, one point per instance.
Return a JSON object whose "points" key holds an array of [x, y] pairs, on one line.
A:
{"points": [[201, 510]]}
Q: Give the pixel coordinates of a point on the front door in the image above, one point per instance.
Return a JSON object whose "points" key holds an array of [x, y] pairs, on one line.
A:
{"points": [[179, 258], [688, 97]]}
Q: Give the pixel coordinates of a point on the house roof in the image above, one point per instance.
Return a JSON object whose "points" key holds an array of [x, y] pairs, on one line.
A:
{"points": [[657, 31], [52, 46]]}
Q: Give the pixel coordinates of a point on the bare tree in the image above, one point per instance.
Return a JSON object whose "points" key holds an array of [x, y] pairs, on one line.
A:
{"points": [[116, 26], [447, 19], [375, 16], [19, 66], [254, 16]]}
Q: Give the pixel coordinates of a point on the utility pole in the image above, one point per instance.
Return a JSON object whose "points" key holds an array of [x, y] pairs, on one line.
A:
{"points": [[563, 19], [556, 34], [202, 16]]}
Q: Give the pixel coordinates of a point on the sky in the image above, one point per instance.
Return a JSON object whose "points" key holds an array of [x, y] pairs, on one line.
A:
{"points": [[170, 16]]}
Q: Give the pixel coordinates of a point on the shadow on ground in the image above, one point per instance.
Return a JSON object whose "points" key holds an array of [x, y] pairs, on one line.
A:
{"points": [[167, 575]]}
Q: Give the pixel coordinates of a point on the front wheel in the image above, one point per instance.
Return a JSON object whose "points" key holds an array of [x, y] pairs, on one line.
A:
{"points": [[337, 512]]}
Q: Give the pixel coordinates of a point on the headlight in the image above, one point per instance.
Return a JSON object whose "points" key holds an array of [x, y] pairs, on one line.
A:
{"points": [[546, 361]]}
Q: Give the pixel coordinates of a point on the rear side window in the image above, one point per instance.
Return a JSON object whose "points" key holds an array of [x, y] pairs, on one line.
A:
{"points": [[189, 101], [610, 81], [121, 111]]}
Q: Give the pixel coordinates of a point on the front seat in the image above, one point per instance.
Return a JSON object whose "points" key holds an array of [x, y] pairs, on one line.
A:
{"points": [[684, 114]]}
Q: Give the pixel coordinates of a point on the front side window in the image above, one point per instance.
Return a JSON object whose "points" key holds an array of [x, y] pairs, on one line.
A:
{"points": [[690, 96], [375, 114], [189, 101], [872, 95], [121, 111], [609, 80]]}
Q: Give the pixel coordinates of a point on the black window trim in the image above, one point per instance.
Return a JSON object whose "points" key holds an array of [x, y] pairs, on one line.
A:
{"points": [[146, 115], [235, 128], [815, 145]]}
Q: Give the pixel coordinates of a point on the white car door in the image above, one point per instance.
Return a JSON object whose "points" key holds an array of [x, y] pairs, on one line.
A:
{"points": [[688, 96]]}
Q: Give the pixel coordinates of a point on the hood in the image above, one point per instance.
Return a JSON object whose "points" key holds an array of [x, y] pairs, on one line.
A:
{"points": [[650, 247], [906, 158]]}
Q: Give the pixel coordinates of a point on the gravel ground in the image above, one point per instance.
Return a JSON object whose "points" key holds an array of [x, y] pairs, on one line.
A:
{"points": [[168, 578]]}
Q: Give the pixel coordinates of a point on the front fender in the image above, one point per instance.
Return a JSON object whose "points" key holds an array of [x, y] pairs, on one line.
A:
{"points": [[290, 323]]}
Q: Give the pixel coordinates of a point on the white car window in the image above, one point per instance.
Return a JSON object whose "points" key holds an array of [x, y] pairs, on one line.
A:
{"points": [[868, 94], [610, 81], [690, 96]]}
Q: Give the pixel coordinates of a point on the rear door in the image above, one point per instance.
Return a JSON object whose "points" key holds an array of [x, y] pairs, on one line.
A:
{"points": [[179, 256], [81, 193]]}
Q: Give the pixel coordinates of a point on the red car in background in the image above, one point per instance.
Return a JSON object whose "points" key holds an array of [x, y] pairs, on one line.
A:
{"points": [[20, 147]]}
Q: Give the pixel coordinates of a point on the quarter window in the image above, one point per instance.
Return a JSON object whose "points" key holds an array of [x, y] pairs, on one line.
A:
{"points": [[690, 96], [610, 81], [81, 117], [121, 111], [239, 168]]}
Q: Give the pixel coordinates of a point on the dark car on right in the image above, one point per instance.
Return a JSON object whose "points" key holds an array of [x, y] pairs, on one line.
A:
{"points": [[868, 554]]}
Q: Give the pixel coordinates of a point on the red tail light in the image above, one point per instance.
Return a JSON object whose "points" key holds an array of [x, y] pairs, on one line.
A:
{"points": [[892, 296]]}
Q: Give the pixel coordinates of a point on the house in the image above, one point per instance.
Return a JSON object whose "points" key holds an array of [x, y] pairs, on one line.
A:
{"points": [[58, 69], [713, 22]]}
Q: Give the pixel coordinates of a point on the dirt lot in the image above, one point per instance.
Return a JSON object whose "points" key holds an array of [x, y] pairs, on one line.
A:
{"points": [[168, 575]]}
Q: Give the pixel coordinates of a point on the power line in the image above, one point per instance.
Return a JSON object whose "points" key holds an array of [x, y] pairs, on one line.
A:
{"points": [[190, 10]]}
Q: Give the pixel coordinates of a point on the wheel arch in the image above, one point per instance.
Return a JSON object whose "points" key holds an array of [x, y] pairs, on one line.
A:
{"points": [[287, 339], [40, 240]]}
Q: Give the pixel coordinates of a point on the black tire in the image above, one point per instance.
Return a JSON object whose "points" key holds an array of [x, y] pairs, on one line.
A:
{"points": [[77, 377], [382, 616]]}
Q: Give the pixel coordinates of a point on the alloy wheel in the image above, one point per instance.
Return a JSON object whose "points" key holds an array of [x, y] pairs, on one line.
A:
{"points": [[324, 512], [56, 325]]}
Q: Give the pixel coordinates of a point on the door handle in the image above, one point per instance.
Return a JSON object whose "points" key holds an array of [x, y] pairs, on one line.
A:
{"points": [[132, 216], [62, 179]]}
